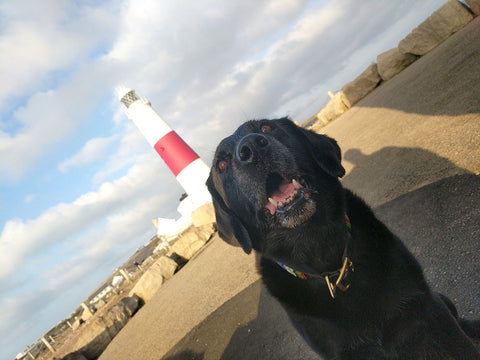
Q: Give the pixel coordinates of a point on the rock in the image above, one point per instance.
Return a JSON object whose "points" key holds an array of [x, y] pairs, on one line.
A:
{"points": [[131, 304], [448, 19], [153, 278], [74, 356], [115, 319], [165, 267], [87, 312], [391, 62], [76, 324], [474, 6], [193, 240], [205, 232], [100, 304], [100, 332], [363, 84], [335, 107], [148, 284], [93, 343], [86, 315], [204, 215], [180, 260]]}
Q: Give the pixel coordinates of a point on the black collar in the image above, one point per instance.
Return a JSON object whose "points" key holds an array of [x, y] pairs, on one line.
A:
{"points": [[337, 279]]}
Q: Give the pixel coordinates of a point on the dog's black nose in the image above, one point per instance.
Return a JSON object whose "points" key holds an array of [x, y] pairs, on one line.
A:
{"points": [[250, 145]]}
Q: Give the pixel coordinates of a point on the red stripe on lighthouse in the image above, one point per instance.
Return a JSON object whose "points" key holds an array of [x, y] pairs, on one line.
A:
{"points": [[175, 152]]}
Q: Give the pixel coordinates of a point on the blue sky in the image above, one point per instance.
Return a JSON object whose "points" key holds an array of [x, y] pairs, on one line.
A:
{"points": [[78, 183]]}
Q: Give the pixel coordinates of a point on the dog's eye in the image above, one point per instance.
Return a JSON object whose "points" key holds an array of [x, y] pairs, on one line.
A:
{"points": [[222, 165], [265, 129]]}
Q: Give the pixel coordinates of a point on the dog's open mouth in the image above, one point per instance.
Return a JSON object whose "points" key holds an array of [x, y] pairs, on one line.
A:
{"points": [[288, 200]]}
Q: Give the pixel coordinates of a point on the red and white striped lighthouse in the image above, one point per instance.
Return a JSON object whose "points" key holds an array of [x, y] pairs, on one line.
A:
{"points": [[190, 171]]}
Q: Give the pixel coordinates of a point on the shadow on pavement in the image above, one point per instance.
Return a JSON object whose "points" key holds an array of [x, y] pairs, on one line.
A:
{"points": [[394, 171], [185, 355], [260, 329], [440, 225]]}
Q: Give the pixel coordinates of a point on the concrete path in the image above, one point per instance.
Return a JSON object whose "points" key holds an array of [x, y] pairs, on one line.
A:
{"points": [[412, 151]]}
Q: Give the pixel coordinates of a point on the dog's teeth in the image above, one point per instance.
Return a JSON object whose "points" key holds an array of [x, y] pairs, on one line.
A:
{"points": [[280, 204], [275, 203], [296, 184]]}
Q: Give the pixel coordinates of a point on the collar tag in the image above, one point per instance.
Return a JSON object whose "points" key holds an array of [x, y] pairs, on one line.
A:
{"points": [[296, 273]]}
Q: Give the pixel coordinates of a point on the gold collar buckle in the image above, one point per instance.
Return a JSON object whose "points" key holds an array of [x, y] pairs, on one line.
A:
{"points": [[346, 269]]}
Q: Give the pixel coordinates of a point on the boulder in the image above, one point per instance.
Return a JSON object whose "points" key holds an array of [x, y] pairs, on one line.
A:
{"points": [[180, 260], [448, 19], [391, 62], [100, 332], [86, 315], [100, 304], [114, 320], [193, 240], [148, 284], [153, 278], [92, 344], [474, 6], [205, 232], [74, 356], [131, 304], [204, 215], [76, 324], [335, 107], [363, 84], [165, 267]]}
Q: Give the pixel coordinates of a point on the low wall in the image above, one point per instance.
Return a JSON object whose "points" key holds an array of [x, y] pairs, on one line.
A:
{"points": [[447, 20]]}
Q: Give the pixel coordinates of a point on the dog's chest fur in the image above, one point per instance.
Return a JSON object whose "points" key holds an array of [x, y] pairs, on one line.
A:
{"points": [[386, 295]]}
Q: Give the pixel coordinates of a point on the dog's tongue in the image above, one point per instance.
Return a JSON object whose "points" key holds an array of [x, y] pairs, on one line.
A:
{"points": [[283, 192]]}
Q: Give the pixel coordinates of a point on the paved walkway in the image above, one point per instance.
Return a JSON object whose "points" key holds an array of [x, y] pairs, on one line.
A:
{"points": [[412, 150]]}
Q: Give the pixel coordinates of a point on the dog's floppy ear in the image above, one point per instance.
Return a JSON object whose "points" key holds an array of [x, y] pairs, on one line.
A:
{"points": [[325, 151], [230, 228]]}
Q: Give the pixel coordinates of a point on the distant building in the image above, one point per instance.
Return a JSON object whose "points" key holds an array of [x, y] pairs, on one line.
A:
{"points": [[117, 281], [102, 294]]}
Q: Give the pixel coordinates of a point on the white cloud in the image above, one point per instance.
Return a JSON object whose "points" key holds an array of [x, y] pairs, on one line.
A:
{"points": [[66, 221], [48, 119], [93, 150], [68, 273], [19, 313], [42, 38], [131, 146]]}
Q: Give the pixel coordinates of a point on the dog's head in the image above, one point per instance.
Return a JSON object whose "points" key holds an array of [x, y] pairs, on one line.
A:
{"points": [[273, 176]]}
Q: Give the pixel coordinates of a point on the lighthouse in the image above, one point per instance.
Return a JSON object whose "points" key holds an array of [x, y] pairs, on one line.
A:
{"points": [[190, 171]]}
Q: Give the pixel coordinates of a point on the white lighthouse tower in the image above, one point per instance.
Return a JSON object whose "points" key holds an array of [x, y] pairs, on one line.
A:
{"points": [[190, 171]]}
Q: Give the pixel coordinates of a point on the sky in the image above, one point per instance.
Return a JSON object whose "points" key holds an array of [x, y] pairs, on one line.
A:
{"points": [[79, 184]]}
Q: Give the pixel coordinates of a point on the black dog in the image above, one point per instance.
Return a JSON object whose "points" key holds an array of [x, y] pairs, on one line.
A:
{"points": [[349, 285]]}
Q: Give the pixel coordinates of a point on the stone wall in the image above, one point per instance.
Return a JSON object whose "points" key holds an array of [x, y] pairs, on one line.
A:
{"points": [[189, 243], [444, 22], [98, 331], [102, 329]]}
